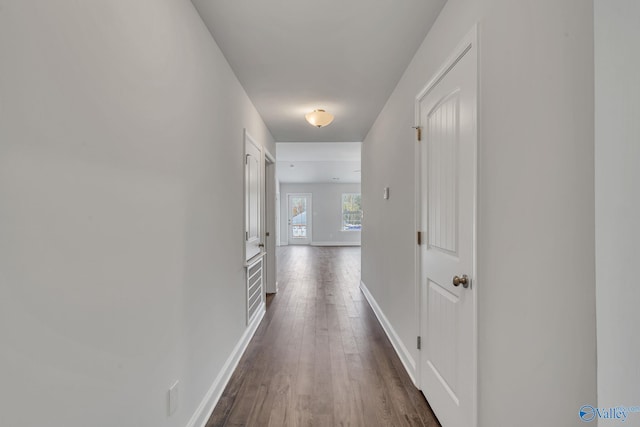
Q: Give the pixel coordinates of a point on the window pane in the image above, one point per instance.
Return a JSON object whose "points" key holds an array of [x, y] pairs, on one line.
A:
{"points": [[351, 211], [299, 217]]}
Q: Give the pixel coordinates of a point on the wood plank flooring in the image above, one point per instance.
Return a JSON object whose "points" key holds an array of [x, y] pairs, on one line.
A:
{"points": [[320, 357]]}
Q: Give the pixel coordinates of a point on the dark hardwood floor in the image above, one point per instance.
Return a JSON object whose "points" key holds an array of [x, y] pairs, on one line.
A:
{"points": [[320, 357]]}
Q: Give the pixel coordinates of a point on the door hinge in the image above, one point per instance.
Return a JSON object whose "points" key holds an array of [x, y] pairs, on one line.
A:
{"points": [[246, 235], [419, 238], [418, 132], [419, 343]]}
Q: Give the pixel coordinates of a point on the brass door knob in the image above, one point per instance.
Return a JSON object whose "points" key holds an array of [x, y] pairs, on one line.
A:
{"points": [[464, 281]]}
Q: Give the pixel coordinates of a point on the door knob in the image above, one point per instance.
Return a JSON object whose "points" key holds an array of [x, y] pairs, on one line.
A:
{"points": [[261, 245], [464, 281]]}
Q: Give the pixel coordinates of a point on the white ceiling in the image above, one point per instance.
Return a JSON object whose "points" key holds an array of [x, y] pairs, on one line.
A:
{"points": [[312, 162], [345, 56]]}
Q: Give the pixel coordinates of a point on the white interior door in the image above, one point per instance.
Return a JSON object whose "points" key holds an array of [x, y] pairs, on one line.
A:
{"points": [[252, 190], [447, 116], [299, 218]]}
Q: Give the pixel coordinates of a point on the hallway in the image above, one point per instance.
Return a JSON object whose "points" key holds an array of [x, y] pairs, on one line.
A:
{"points": [[320, 357]]}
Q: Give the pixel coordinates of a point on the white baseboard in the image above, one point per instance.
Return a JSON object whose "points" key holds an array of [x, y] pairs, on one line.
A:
{"points": [[335, 243], [208, 404], [405, 357]]}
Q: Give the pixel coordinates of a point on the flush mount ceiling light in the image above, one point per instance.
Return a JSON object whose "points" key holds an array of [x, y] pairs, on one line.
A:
{"points": [[319, 118]]}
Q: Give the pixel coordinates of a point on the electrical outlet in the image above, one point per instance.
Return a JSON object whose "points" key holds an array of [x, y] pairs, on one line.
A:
{"points": [[174, 398]]}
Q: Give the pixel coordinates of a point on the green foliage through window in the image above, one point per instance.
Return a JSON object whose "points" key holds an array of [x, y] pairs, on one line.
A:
{"points": [[351, 211]]}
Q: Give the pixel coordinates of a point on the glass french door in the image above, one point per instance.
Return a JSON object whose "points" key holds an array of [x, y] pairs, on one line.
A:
{"points": [[299, 214]]}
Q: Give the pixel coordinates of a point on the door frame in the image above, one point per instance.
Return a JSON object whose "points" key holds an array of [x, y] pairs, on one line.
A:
{"points": [[469, 42], [248, 139], [270, 222], [309, 219]]}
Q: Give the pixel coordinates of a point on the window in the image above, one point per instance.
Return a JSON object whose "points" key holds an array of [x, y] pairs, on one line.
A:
{"points": [[351, 211], [298, 216]]}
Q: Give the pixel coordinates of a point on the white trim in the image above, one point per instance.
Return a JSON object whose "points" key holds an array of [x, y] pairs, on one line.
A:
{"points": [[270, 157], [256, 258], [208, 404], [335, 244], [401, 350], [269, 218], [468, 42]]}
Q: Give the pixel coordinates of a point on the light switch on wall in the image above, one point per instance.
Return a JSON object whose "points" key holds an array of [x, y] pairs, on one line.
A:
{"points": [[386, 193]]}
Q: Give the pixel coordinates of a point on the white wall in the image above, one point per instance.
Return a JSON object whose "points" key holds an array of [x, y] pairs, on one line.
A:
{"points": [[617, 95], [327, 213], [121, 219], [536, 286]]}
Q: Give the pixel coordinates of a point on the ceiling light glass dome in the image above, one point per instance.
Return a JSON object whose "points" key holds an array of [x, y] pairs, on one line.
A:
{"points": [[319, 118]]}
